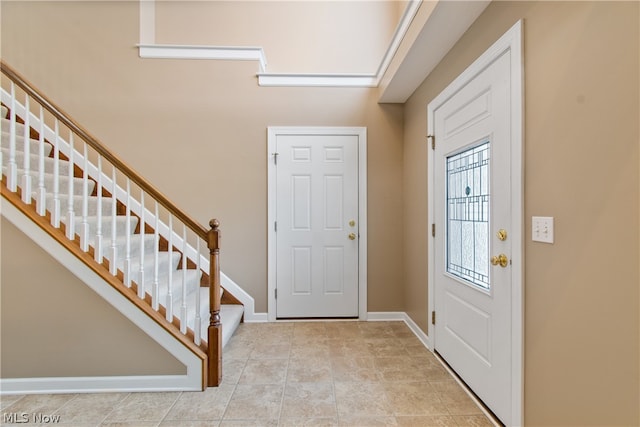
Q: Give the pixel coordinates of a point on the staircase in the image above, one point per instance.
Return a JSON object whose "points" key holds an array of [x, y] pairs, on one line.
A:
{"points": [[63, 178]]}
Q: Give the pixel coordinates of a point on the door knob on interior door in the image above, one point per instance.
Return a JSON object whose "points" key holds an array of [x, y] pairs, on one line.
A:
{"points": [[500, 260], [352, 236]]}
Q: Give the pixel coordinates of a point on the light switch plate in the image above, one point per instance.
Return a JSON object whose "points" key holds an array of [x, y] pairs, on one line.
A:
{"points": [[542, 229]]}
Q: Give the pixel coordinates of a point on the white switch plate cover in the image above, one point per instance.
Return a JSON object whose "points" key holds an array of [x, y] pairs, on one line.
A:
{"points": [[542, 229]]}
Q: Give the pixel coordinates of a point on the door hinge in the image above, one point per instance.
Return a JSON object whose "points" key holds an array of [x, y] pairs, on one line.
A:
{"points": [[433, 317], [433, 141], [275, 291], [433, 230], [275, 226], [275, 158]]}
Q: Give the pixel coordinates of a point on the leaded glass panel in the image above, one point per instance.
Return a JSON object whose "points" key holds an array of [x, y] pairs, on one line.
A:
{"points": [[468, 215]]}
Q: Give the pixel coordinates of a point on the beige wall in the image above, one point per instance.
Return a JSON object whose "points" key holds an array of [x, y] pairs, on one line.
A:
{"points": [[582, 168], [301, 37], [53, 325], [197, 129]]}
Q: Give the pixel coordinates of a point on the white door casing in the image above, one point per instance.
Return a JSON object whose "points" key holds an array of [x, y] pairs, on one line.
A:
{"points": [[479, 307], [317, 225]]}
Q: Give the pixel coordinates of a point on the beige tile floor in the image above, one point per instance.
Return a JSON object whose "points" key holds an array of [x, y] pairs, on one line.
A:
{"points": [[291, 374]]}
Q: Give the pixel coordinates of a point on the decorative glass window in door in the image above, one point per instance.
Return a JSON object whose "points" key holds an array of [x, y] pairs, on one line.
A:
{"points": [[468, 215]]}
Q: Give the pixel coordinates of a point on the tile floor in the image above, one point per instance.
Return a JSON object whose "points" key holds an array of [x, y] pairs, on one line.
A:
{"points": [[290, 374]]}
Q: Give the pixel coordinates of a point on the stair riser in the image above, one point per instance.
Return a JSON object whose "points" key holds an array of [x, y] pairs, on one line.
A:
{"points": [[107, 226], [92, 205], [49, 163], [193, 284], [49, 184], [150, 244], [6, 127], [149, 268], [34, 144], [63, 183]]}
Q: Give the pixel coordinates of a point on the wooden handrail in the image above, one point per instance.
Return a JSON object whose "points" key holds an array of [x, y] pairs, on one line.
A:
{"points": [[61, 115]]}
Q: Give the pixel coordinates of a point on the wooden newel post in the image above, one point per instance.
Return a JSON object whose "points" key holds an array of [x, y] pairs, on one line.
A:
{"points": [[215, 327]]}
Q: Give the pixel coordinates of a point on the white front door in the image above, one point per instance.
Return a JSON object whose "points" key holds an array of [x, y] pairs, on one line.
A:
{"points": [[474, 232], [316, 225]]}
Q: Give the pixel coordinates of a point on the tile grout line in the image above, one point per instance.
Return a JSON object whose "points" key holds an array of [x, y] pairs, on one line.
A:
{"points": [[164, 418], [104, 419], [286, 374]]}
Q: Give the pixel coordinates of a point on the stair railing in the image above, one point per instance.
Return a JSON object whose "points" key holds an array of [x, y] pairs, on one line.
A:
{"points": [[119, 192]]}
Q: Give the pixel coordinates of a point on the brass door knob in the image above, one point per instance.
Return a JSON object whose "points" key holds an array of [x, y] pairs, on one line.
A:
{"points": [[500, 260], [352, 236]]}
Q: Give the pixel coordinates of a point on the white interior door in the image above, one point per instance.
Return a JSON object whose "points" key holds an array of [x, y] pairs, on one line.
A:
{"points": [[477, 232], [316, 225]]}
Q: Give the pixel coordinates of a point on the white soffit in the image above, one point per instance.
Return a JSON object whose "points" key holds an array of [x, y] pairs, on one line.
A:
{"points": [[444, 27]]}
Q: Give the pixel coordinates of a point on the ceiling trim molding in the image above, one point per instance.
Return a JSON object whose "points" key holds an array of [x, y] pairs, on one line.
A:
{"points": [[402, 28], [171, 51], [317, 80], [148, 49], [441, 27]]}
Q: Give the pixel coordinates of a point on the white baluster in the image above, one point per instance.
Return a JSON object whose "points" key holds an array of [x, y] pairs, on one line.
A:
{"points": [[55, 215], [127, 257], [141, 290], [156, 250], [71, 215], [84, 230], [42, 191], [113, 269], [12, 173], [26, 176], [183, 305], [170, 275], [197, 323], [98, 245]]}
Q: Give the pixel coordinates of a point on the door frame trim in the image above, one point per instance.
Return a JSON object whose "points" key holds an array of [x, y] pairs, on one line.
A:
{"points": [[510, 41], [272, 133]]}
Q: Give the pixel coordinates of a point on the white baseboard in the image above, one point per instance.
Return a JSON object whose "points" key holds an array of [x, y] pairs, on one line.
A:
{"points": [[256, 318], [151, 383], [401, 316]]}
